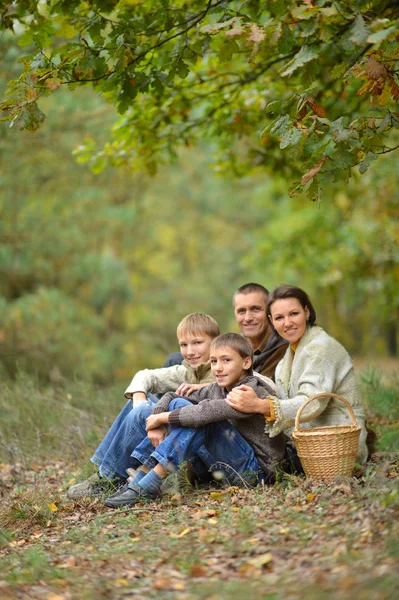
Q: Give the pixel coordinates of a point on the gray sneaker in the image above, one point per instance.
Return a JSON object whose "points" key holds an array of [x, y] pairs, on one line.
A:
{"points": [[93, 487]]}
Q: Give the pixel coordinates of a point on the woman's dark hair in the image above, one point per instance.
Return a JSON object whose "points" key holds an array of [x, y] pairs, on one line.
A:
{"points": [[290, 291]]}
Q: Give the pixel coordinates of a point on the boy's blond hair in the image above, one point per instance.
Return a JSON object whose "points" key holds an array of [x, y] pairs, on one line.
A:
{"points": [[198, 323], [237, 342]]}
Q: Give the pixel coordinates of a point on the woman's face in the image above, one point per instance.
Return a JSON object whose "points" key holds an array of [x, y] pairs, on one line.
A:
{"points": [[289, 319]]}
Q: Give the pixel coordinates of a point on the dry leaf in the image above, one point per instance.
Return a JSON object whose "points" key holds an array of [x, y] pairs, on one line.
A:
{"points": [[182, 534], [374, 69], [52, 507], [313, 171], [198, 570], [257, 33], [69, 563], [261, 560], [162, 583], [317, 109]]}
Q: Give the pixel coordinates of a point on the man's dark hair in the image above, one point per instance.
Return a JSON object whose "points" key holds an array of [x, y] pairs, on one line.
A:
{"points": [[290, 291], [249, 288]]}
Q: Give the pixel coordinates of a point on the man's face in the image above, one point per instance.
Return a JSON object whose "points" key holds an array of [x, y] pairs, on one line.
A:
{"points": [[250, 312]]}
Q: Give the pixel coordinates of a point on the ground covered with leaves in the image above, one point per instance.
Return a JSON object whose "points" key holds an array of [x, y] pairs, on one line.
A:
{"points": [[297, 539]]}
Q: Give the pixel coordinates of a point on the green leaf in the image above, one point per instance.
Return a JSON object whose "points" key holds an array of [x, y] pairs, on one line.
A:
{"points": [[286, 42], [341, 133], [291, 137], [278, 7], [227, 50], [359, 32], [281, 124], [25, 39], [378, 36], [182, 68], [305, 55], [339, 70]]}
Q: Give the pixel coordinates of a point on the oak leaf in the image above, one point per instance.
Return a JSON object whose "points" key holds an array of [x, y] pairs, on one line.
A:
{"points": [[374, 69], [313, 171]]}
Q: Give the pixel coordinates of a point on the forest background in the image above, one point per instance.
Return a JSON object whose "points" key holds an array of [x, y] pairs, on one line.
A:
{"points": [[98, 264]]}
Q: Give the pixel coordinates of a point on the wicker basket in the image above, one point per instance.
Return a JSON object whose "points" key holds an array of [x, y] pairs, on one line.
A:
{"points": [[327, 451]]}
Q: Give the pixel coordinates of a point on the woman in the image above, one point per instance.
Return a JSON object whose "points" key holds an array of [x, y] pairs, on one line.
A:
{"points": [[313, 363]]}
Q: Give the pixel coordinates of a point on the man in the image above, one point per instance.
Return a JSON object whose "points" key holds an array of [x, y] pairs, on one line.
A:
{"points": [[249, 303]]}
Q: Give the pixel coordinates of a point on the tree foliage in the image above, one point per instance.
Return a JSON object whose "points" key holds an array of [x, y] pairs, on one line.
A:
{"points": [[309, 89]]}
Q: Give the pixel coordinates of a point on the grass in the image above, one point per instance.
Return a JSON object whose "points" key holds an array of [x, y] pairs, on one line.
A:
{"points": [[298, 539]]}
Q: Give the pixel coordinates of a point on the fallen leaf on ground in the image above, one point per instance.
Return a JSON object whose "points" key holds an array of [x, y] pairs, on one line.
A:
{"points": [[182, 534]]}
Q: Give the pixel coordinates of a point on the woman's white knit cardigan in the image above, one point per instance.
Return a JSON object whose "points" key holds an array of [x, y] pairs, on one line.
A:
{"points": [[319, 364]]}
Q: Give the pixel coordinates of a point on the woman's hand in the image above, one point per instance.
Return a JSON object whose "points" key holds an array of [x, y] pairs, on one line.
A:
{"points": [[157, 435], [185, 389], [244, 399], [155, 421]]}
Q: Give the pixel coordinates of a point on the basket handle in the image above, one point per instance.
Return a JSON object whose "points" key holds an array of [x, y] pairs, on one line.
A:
{"points": [[321, 395]]}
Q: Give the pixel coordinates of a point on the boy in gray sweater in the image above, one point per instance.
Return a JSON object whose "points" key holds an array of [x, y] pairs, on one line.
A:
{"points": [[235, 442]]}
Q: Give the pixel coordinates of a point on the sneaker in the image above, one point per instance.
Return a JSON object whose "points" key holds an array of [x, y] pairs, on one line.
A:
{"points": [[93, 487], [129, 497], [121, 490]]}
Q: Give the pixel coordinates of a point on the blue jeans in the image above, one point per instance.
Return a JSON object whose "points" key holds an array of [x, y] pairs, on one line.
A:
{"points": [[219, 445], [113, 455]]}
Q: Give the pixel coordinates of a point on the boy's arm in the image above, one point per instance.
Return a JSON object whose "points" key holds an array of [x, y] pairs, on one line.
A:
{"points": [[156, 381], [163, 403], [207, 411]]}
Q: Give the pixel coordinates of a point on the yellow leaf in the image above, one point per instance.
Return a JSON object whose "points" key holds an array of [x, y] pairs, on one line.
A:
{"points": [[181, 534], [216, 496], [72, 481], [123, 582], [261, 560], [253, 540], [52, 507], [385, 95], [179, 586], [310, 497]]}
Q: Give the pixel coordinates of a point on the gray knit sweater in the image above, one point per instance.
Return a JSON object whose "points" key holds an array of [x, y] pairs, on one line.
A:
{"points": [[209, 406]]}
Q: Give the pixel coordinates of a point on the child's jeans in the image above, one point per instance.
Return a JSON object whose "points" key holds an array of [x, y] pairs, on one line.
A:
{"points": [[113, 455], [219, 445]]}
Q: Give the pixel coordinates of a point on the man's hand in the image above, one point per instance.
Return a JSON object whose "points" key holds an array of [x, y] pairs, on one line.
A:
{"points": [[185, 389], [157, 435], [155, 421], [244, 399]]}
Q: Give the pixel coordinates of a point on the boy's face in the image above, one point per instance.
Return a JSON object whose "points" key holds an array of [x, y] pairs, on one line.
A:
{"points": [[195, 347], [228, 366]]}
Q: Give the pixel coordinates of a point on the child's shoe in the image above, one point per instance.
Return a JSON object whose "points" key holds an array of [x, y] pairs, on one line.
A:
{"points": [[129, 497], [93, 487]]}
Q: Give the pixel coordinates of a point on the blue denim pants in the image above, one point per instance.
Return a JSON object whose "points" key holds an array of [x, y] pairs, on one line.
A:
{"points": [[219, 445], [113, 455]]}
